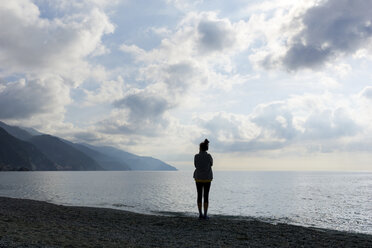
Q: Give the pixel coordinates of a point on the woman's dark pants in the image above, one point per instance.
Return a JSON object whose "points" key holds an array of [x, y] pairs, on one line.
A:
{"points": [[203, 187]]}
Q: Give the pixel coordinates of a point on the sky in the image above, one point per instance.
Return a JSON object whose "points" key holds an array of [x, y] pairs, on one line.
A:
{"points": [[274, 85]]}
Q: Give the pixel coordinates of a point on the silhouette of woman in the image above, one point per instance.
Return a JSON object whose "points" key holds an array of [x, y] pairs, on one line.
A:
{"points": [[203, 176]]}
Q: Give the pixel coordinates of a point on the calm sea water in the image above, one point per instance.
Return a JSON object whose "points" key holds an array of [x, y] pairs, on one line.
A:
{"points": [[335, 200]]}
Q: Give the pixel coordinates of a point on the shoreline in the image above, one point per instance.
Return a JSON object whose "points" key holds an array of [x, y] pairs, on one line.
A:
{"points": [[30, 223], [180, 214]]}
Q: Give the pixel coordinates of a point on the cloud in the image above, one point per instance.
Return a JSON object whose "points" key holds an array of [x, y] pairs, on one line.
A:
{"points": [[26, 98], [108, 91], [233, 133], [138, 113], [87, 136], [367, 93], [330, 124], [45, 52], [33, 44], [197, 53], [276, 120], [142, 106], [299, 122], [198, 37], [215, 36], [189, 60], [309, 36], [184, 5], [330, 31], [175, 79], [56, 66]]}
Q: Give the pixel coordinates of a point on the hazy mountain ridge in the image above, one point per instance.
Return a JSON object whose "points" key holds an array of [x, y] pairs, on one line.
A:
{"points": [[135, 162], [16, 154], [105, 161], [65, 155], [17, 132]]}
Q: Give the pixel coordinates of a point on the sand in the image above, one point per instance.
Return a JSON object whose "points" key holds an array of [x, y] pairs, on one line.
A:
{"points": [[29, 223]]}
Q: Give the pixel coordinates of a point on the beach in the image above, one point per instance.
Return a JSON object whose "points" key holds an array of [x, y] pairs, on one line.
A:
{"points": [[29, 223]]}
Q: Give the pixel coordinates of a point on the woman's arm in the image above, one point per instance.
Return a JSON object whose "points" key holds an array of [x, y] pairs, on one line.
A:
{"points": [[211, 159]]}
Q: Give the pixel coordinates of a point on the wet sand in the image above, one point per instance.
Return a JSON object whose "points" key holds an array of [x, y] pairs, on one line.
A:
{"points": [[28, 223]]}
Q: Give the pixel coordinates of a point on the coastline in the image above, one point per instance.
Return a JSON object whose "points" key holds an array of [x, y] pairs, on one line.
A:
{"points": [[30, 223]]}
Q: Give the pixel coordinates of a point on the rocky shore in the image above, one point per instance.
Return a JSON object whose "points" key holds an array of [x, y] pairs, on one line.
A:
{"points": [[28, 223]]}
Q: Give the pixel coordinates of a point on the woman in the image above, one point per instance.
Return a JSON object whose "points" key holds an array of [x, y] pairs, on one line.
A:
{"points": [[203, 176]]}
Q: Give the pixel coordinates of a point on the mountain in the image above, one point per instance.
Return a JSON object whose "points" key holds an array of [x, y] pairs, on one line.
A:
{"points": [[105, 161], [135, 162], [17, 132], [31, 131], [16, 154], [26, 147], [66, 156]]}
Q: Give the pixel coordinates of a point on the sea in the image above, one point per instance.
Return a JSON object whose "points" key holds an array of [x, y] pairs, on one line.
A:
{"points": [[331, 200]]}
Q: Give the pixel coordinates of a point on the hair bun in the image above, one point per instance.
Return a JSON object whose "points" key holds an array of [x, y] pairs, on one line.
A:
{"points": [[206, 141]]}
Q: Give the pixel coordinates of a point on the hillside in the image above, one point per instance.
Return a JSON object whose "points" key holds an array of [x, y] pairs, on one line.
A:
{"points": [[105, 161], [66, 156], [16, 154], [26, 147], [16, 132], [135, 162]]}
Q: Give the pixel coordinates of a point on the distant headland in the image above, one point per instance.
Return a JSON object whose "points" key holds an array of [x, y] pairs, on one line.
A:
{"points": [[24, 149]]}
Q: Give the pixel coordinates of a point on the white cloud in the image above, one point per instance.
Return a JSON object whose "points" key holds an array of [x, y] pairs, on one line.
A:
{"points": [[194, 57], [143, 107], [137, 52], [309, 35], [197, 55], [30, 98], [298, 123], [198, 36], [57, 74], [184, 5], [47, 57], [108, 91], [215, 36], [367, 92], [76, 6], [32, 44], [139, 112]]}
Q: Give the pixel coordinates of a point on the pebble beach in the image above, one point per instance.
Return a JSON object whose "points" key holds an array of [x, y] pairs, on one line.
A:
{"points": [[29, 223]]}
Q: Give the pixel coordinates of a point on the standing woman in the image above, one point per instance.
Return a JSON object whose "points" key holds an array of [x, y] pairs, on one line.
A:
{"points": [[203, 176]]}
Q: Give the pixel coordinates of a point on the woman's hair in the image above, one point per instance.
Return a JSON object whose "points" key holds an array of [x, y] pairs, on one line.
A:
{"points": [[204, 145]]}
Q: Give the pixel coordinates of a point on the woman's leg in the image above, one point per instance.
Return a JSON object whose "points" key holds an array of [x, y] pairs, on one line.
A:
{"points": [[207, 186], [199, 188]]}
